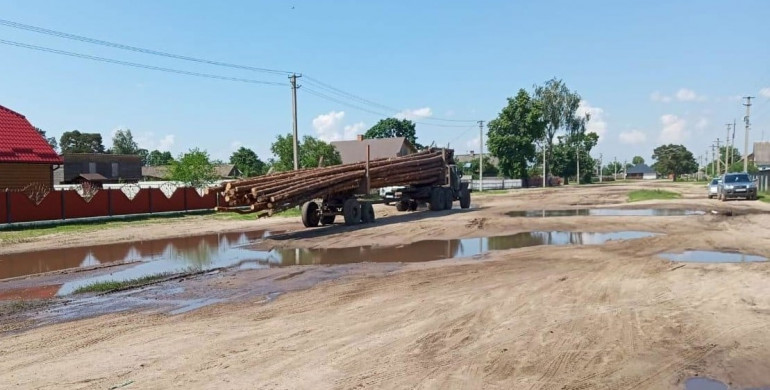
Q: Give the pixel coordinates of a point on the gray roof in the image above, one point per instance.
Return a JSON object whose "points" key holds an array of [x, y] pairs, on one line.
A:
{"points": [[355, 151], [640, 168], [159, 172], [762, 153]]}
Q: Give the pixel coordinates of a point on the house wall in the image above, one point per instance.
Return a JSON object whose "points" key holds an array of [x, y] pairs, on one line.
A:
{"points": [[127, 171], [15, 176], [650, 176]]}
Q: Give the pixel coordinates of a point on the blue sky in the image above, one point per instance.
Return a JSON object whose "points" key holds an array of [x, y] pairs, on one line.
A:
{"points": [[649, 72]]}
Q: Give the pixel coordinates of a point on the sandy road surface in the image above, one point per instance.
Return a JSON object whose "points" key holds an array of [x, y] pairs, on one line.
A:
{"points": [[581, 317]]}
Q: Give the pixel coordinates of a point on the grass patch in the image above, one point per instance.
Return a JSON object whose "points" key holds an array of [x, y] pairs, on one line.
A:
{"points": [[292, 212], [640, 195], [112, 285], [492, 192], [21, 234], [764, 196]]}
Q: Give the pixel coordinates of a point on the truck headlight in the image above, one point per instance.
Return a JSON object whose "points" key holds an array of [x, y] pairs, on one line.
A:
{"points": [[729, 186]]}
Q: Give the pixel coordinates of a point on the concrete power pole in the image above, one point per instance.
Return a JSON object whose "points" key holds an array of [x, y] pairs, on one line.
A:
{"points": [[600, 168], [294, 87], [719, 159], [713, 164], [746, 140], [728, 148], [481, 156]]}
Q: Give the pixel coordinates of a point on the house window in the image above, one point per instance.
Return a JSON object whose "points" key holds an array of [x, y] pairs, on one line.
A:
{"points": [[92, 167], [114, 169]]}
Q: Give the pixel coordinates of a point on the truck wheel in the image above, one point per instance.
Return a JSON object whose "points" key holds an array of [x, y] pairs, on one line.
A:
{"points": [[436, 199], [367, 213], [327, 219], [310, 217], [465, 199], [448, 198], [351, 210], [402, 206], [413, 205]]}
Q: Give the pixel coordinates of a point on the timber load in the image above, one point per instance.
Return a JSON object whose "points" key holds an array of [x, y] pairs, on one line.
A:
{"points": [[276, 192]]}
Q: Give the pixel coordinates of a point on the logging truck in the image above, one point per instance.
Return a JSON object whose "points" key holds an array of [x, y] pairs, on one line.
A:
{"points": [[355, 208], [323, 193]]}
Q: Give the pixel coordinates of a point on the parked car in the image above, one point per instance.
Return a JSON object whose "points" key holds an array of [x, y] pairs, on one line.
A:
{"points": [[713, 187], [737, 185]]}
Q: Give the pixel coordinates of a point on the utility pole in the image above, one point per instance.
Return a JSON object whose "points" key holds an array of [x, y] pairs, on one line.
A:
{"points": [[294, 87], [732, 151], [545, 144], [713, 165], [625, 169], [577, 156], [728, 148], [746, 140], [481, 156], [600, 168], [719, 159], [615, 175]]}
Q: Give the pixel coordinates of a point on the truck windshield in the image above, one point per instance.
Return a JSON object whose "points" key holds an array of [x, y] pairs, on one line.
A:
{"points": [[737, 178]]}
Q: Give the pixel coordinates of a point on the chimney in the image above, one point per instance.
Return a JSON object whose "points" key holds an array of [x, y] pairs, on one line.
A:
{"points": [[360, 137]]}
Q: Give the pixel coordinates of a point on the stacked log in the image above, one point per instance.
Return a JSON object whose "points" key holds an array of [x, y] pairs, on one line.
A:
{"points": [[279, 191]]}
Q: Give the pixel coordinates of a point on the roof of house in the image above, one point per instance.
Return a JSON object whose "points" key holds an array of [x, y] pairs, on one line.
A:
{"points": [[355, 150], [226, 170], [640, 168], [21, 143], [761, 153], [101, 157], [160, 171], [92, 177]]}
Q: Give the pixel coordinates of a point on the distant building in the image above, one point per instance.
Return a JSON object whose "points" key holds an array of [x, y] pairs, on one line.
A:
{"points": [[25, 156], [355, 151], [761, 155], [641, 172], [99, 168], [160, 173], [462, 159]]}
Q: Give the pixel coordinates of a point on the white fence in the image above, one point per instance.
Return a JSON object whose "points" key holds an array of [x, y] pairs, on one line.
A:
{"points": [[495, 183]]}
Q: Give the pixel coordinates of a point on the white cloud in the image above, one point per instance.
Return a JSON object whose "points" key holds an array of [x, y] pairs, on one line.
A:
{"points": [[673, 129], [765, 92], [417, 113], [166, 143], [632, 137], [658, 97], [329, 127], [597, 123], [351, 131], [473, 144], [686, 95], [235, 145], [702, 123]]}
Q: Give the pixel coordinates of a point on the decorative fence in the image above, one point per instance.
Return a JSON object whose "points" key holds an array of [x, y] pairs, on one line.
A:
{"points": [[763, 180], [41, 203]]}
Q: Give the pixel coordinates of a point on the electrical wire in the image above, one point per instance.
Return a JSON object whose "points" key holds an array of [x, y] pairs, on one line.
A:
{"points": [[80, 38], [137, 65]]}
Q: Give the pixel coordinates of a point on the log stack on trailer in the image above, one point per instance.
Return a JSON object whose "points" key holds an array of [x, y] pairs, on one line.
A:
{"points": [[337, 187]]}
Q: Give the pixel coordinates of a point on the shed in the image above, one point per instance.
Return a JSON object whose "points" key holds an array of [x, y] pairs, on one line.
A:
{"points": [[641, 172], [114, 168], [761, 155], [25, 156], [355, 151]]}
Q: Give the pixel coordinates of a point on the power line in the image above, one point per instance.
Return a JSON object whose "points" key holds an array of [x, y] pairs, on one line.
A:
{"points": [[336, 100], [80, 38], [136, 65], [318, 83]]}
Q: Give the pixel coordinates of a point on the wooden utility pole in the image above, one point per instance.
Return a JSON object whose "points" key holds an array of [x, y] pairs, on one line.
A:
{"points": [[294, 87], [481, 156], [727, 149]]}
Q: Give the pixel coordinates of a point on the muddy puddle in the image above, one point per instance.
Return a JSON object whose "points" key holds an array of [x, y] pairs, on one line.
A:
{"points": [[700, 383], [170, 255], [712, 257], [604, 213]]}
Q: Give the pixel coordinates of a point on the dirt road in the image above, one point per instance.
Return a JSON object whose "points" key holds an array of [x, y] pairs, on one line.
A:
{"points": [[612, 316]]}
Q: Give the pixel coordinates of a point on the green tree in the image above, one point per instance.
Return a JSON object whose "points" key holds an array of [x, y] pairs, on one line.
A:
{"points": [[673, 159], [392, 127], [248, 162], [559, 106], [77, 142], [123, 143], [512, 135], [310, 150], [193, 168], [51, 140], [490, 170], [143, 154], [637, 160], [157, 158], [569, 149]]}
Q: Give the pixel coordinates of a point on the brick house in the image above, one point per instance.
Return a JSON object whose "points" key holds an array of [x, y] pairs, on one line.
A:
{"points": [[25, 156]]}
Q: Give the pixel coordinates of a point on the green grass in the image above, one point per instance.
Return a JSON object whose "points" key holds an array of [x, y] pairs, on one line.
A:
{"points": [[293, 212], [492, 192], [764, 196], [112, 285], [640, 195], [24, 234]]}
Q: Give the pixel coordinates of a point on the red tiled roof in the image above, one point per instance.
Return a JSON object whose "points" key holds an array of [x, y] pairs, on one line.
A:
{"points": [[21, 143]]}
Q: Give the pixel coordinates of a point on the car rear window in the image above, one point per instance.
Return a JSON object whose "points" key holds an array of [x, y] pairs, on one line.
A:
{"points": [[715, 182]]}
